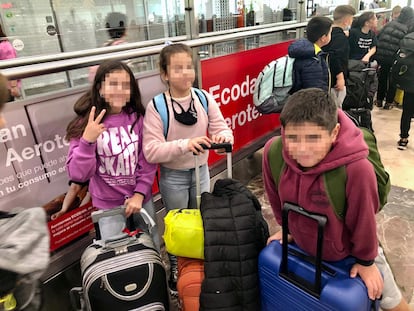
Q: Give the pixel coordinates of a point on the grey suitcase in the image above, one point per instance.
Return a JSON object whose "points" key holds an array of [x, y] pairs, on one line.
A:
{"points": [[121, 273]]}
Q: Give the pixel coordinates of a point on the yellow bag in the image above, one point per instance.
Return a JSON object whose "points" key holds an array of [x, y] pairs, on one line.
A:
{"points": [[184, 233], [399, 96]]}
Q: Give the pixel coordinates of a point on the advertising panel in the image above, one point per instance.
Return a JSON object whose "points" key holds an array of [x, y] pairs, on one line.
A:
{"points": [[33, 150], [230, 79]]}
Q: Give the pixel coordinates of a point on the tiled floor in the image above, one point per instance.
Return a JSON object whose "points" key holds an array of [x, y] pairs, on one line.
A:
{"points": [[396, 220]]}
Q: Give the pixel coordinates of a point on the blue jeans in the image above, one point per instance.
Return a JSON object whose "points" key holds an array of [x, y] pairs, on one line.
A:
{"points": [[178, 187]]}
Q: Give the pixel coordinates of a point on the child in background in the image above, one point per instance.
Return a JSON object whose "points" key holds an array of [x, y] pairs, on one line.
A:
{"points": [[8, 52], [310, 68], [24, 246], [106, 146], [189, 125], [115, 24], [338, 50], [316, 138], [362, 39]]}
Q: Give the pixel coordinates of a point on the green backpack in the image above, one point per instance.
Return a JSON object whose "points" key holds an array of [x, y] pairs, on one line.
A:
{"points": [[335, 180]]}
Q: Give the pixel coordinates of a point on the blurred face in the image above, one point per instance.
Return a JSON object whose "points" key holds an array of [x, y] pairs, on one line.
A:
{"points": [[395, 15], [373, 22], [325, 39], [116, 89], [308, 143], [180, 74], [348, 21]]}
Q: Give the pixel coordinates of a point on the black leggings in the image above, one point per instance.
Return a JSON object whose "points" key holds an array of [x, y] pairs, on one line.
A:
{"points": [[407, 113], [386, 90]]}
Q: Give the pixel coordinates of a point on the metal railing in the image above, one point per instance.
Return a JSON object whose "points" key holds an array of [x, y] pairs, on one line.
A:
{"points": [[46, 64]]}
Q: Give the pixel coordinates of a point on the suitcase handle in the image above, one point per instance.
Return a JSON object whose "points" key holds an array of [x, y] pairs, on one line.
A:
{"points": [[228, 147], [97, 215], [315, 288]]}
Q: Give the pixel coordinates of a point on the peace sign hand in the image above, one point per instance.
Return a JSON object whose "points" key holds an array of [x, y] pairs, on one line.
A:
{"points": [[94, 128]]}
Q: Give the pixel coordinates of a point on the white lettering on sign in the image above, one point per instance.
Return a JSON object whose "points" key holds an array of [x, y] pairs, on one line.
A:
{"points": [[28, 153], [224, 96], [15, 132], [241, 117]]}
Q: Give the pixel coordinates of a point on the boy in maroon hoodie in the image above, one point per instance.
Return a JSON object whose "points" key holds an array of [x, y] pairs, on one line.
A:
{"points": [[318, 137]]}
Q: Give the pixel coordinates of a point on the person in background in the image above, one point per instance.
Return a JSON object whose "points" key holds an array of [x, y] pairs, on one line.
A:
{"points": [[318, 137], [338, 50], [189, 125], [7, 51], [373, 5], [106, 145], [362, 40], [116, 25], [395, 12], [24, 246], [4, 96], [388, 44], [310, 68]]}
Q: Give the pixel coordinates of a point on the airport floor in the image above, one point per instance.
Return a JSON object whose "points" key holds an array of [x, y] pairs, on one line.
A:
{"points": [[395, 223]]}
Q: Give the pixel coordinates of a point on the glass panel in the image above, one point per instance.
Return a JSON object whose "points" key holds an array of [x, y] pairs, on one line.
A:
{"points": [[53, 26], [32, 30]]}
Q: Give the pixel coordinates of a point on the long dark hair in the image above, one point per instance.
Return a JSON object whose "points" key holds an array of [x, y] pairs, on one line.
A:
{"points": [[360, 21], [92, 97]]}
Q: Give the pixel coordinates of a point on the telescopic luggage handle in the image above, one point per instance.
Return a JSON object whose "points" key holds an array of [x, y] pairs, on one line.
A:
{"points": [[315, 288], [97, 215], [228, 147]]}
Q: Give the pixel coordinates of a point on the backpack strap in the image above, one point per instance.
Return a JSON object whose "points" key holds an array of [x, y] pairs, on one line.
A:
{"points": [[383, 178], [276, 161], [160, 104], [202, 97], [335, 186], [334, 180]]}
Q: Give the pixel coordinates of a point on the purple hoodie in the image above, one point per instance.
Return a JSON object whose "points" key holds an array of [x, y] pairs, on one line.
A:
{"points": [[115, 165], [356, 234]]}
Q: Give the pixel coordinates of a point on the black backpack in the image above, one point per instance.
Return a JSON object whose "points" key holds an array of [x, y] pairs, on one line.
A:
{"points": [[403, 68]]}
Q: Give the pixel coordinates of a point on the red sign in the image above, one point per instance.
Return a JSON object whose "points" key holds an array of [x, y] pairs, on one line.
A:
{"points": [[70, 226], [230, 79]]}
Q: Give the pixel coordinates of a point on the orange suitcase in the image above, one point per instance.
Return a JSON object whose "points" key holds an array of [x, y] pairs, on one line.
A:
{"points": [[190, 276]]}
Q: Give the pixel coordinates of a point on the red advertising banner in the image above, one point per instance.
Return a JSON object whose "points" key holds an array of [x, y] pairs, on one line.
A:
{"points": [[230, 79]]}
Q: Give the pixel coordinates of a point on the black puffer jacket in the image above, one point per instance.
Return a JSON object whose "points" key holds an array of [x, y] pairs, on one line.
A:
{"points": [[390, 36], [234, 234], [389, 42]]}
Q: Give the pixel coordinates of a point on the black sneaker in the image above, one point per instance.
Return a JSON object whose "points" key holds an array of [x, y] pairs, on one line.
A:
{"points": [[402, 144], [378, 103]]}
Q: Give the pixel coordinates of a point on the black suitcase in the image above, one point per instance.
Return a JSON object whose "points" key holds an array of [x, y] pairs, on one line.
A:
{"points": [[122, 273]]}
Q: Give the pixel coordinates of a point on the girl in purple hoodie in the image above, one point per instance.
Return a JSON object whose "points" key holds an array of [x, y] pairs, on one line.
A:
{"points": [[106, 143]]}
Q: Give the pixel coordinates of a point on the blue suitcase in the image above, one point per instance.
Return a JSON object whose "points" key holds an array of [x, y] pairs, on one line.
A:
{"points": [[291, 280]]}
